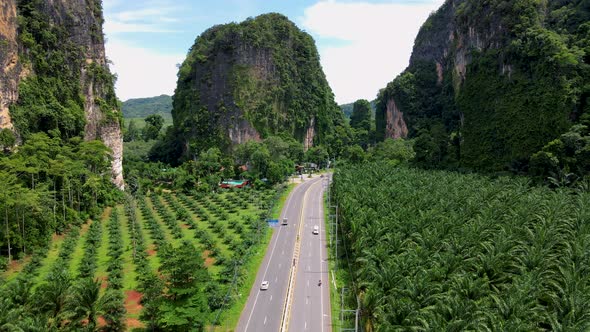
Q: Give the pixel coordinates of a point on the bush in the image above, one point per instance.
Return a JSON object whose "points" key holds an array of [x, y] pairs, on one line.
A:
{"points": [[3, 263]]}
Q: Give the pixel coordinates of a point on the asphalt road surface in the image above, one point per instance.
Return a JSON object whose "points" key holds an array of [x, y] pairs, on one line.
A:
{"points": [[264, 309], [311, 303]]}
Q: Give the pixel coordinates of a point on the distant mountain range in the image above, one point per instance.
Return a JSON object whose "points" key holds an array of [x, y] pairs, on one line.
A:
{"points": [[347, 109], [142, 107]]}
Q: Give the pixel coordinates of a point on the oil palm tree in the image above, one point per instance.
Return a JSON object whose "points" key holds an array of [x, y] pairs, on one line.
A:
{"points": [[82, 305]]}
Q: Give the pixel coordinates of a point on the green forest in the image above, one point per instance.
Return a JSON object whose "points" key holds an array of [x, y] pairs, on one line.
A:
{"points": [[477, 220], [517, 80]]}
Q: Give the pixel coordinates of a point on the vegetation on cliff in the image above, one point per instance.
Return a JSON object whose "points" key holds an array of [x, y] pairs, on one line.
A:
{"points": [[54, 180], [51, 97], [490, 83], [261, 77]]}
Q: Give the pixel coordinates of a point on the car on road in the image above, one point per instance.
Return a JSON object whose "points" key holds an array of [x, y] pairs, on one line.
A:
{"points": [[264, 285], [316, 230]]}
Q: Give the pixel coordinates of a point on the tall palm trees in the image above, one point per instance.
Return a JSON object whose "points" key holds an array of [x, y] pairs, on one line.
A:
{"points": [[443, 251]]}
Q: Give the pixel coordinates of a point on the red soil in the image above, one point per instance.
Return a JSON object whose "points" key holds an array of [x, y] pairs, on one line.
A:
{"points": [[104, 282], [106, 213], [208, 260], [132, 302], [56, 237], [133, 307], [133, 323]]}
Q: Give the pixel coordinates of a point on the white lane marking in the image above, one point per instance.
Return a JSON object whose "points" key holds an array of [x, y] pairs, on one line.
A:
{"points": [[283, 252], [264, 320], [270, 259], [305, 237], [306, 300], [276, 279], [271, 298], [279, 265]]}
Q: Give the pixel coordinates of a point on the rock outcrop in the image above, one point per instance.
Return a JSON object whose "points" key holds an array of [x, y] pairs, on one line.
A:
{"points": [[73, 36], [396, 126], [490, 82], [250, 80], [10, 68]]}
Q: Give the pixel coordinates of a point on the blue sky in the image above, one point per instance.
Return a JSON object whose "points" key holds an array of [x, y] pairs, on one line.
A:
{"points": [[362, 44]]}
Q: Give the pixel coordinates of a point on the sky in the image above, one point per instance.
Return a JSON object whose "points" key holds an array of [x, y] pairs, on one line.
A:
{"points": [[363, 45]]}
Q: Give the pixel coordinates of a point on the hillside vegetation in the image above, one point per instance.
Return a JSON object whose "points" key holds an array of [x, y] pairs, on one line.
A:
{"points": [[251, 80], [431, 250], [142, 107], [347, 109], [491, 82]]}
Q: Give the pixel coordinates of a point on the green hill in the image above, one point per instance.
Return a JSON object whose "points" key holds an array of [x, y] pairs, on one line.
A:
{"points": [[347, 109], [251, 80], [490, 83], [142, 107]]}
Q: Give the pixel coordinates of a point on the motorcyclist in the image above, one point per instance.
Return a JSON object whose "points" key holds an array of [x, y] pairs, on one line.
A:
{"points": [[320, 282]]}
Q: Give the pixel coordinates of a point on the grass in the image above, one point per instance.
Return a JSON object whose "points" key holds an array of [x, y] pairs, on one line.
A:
{"points": [[231, 317], [102, 254], [338, 277], [16, 267], [223, 249], [236, 208], [168, 237], [153, 260], [78, 252], [129, 273]]}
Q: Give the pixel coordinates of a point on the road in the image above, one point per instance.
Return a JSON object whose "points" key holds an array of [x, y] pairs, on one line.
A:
{"points": [[264, 309], [311, 303]]}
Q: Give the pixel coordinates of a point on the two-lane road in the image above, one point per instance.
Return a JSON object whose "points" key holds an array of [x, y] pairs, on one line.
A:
{"points": [[264, 309], [311, 302]]}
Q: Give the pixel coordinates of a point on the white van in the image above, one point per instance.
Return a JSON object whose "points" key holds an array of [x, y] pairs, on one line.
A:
{"points": [[316, 229], [284, 221]]}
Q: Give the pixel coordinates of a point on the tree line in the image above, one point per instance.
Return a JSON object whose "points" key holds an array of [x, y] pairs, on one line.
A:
{"points": [[46, 186]]}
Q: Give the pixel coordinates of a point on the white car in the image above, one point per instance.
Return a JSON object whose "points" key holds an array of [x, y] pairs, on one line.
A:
{"points": [[316, 230], [264, 285]]}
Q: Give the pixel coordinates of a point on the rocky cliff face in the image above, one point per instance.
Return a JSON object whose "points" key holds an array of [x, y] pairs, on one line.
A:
{"points": [[250, 80], [396, 126], [501, 78], [10, 68], [59, 43]]}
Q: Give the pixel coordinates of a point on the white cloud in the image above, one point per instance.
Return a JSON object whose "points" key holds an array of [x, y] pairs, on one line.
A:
{"points": [[114, 27], [142, 72], [155, 17], [380, 39]]}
